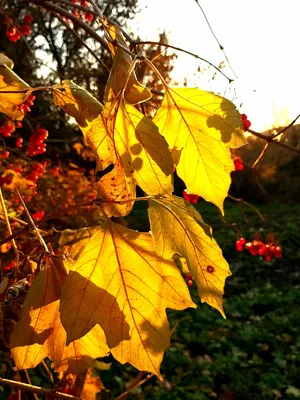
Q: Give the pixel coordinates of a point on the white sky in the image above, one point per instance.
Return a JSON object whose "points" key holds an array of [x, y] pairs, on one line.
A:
{"points": [[261, 40]]}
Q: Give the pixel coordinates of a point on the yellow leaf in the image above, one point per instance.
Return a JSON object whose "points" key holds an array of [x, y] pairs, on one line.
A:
{"points": [[125, 287], [10, 85], [40, 334], [73, 241], [175, 230], [135, 92], [141, 149], [200, 127], [77, 102]]}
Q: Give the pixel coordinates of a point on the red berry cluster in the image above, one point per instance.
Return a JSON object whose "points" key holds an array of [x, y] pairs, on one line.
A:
{"points": [[36, 142], [246, 122], [25, 106], [191, 198], [7, 128], [14, 33], [257, 247], [38, 170], [5, 180], [87, 16]]}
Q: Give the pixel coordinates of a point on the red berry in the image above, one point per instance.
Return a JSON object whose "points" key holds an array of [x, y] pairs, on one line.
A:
{"points": [[38, 216], [15, 37], [239, 245], [24, 30], [190, 283], [188, 277], [242, 241], [238, 163], [246, 124], [19, 142], [262, 250], [76, 13], [11, 31], [5, 154], [88, 17], [28, 19], [244, 117], [19, 124]]}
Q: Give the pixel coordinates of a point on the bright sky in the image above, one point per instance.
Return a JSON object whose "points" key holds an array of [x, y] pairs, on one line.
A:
{"points": [[261, 40]]}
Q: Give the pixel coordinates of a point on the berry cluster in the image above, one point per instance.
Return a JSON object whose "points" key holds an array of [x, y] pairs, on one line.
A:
{"points": [[7, 128], [36, 142], [87, 16], [246, 122], [14, 33], [257, 247], [38, 170], [5, 154], [25, 106], [5, 180], [191, 198]]}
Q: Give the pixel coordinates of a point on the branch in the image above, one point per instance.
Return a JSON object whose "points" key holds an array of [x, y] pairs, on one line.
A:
{"points": [[286, 128], [269, 139], [141, 43], [214, 35], [52, 393]]}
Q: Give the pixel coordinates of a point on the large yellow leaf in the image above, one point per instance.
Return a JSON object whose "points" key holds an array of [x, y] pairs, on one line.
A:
{"points": [[77, 102], [40, 334], [200, 127], [120, 283], [73, 241], [177, 230], [10, 85], [141, 149], [135, 92]]}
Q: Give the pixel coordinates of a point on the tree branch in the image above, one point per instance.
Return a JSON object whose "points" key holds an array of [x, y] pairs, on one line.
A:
{"points": [[269, 139], [53, 393]]}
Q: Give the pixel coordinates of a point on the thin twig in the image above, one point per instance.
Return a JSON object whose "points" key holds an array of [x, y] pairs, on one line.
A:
{"points": [[286, 128], [52, 393], [29, 381], [9, 227], [268, 138], [141, 43], [43, 243], [48, 371], [261, 155], [134, 387], [249, 205], [81, 41], [214, 35]]}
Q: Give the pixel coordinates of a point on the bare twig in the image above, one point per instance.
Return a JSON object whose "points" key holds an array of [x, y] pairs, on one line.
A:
{"points": [[123, 396], [43, 243], [3, 206], [286, 128], [51, 393], [261, 155], [241, 201], [49, 373], [214, 35], [269, 139], [141, 43]]}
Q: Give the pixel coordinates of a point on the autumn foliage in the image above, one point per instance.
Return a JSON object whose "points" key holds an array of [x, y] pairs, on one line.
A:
{"points": [[107, 287]]}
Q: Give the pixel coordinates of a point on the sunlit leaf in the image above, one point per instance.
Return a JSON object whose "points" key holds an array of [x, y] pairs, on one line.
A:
{"points": [[11, 87], [176, 231], [77, 102], [73, 241], [200, 127], [142, 151], [40, 334], [135, 92], [123, 285]]}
